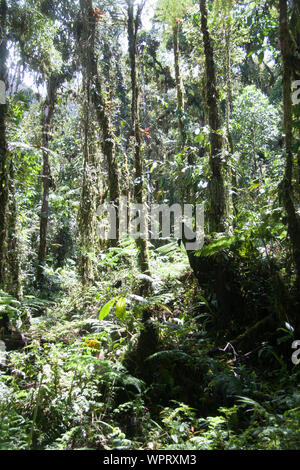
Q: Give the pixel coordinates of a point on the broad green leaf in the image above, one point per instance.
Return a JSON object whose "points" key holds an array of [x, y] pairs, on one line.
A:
{"points": [[121, 309], [107, 308]]}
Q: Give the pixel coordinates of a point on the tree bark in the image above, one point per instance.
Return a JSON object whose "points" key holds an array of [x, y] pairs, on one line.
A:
{"points": [[9, 260], [89, 62], [48, 111], [231, 171], [4, 163], [88, 200], [227, 34], [287, 54], [217, 193], [179, 84], [286, 185], [13, 281], [133, 26]]}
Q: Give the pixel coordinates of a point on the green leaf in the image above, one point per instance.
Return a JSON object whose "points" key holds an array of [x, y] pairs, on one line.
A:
{"points": [[254, 186], [206, 303], [121, 309], [107, 308]]}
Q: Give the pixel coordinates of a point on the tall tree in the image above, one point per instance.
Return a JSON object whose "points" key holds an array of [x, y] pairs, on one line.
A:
{"points": [[179, 82], [134, 22], [223, 9], [56, 76], [9, 261], [4, 164], [42, 34], [48, 110], [90, 19], [172, 12], [94, 102], [13, 281], [287, 53], [217, 191]]}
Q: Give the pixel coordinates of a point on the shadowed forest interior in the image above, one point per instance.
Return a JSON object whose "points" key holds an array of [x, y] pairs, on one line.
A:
{"points": [[116, 334]]}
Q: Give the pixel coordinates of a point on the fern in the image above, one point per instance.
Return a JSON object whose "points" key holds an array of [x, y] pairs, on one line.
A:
{"points": [[216, 246], [129, 380], [168, 249], [175, 354], [9, 306]]}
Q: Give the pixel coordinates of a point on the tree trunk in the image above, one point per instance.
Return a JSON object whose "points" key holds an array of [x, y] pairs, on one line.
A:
{"points": [[217, 193], [287, 55], [213, 270], [286, 185], [227, 34], [3, 147], [48, 111], [179, 84], [9, 261], [13, 282], [88, 200], [231, 171], [133, 25], [89, 62]]}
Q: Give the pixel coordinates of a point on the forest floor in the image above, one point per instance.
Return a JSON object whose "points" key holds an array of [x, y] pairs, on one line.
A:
{"points": [[130, 381]]}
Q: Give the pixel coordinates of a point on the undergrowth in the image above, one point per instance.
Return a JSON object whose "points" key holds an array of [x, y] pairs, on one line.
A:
{"points": [[82, 383]]}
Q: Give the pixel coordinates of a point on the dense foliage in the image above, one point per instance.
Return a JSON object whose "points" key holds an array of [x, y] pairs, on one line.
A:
{"points": [[134, 343]]}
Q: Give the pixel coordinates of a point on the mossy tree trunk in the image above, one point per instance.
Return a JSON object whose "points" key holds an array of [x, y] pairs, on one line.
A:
{"points": [[231, 171], [287, 186], [48, 111], [227, 34], [10, 279], [217, 190], [213, 272], [13, 281], [293, 219], [87, 209], [134, 21], [179, 83], [97, 97], [4, 163]]}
